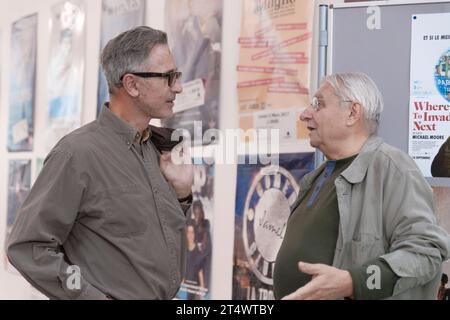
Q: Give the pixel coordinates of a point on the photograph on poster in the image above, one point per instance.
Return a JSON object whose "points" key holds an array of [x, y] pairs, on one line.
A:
{"points": [[22, 84], [194, 30], [117, 16], [264, 197], [429, 107], [196, 284]]}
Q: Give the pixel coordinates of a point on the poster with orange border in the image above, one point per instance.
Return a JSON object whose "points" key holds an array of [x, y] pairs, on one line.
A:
{"points": [[274, 66]]}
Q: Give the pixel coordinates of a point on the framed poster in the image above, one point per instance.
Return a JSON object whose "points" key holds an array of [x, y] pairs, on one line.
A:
{"points": [[22, 84], [264, 197], [274, 66], [19, 181], [66, 69], [117, 16], [429, 107], [194, 29], [197, 282]]}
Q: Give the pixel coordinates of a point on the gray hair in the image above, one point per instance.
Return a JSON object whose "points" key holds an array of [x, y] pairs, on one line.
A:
{"points": [[128, 51], [359, 87]]}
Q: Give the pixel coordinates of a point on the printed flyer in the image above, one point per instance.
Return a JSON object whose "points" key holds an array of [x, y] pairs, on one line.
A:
{"points": [[273, 71], [429, 109]]}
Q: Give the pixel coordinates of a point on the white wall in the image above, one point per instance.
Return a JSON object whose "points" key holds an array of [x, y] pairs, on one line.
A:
{"points": [[13, 286]]}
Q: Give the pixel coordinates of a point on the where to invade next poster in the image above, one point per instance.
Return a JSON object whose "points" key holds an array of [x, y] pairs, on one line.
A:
{"points": [[429, 110]]}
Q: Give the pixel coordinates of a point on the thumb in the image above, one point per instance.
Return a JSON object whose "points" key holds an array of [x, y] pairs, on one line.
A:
{"points": [[309, 268], [165, 155]]}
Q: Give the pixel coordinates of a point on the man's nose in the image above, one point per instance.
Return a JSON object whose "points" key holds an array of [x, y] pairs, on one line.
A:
{"points": [[177, 87], [306, 114]]}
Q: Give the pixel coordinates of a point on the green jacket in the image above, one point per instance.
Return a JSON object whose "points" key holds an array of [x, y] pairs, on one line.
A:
{"points": [[386, 210]]}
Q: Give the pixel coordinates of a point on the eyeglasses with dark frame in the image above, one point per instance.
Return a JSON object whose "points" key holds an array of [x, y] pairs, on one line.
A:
{"points": [[171, 76]]}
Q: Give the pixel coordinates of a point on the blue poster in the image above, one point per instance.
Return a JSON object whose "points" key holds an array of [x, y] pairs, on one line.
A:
{"points": [[264, 197], [117, 16], [19, 180], [22, 84], [66, 69]]}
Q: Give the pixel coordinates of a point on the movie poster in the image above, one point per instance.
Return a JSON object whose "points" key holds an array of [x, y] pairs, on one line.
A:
{"points": [[442, 198], [429, 109], [264, 197], [197, 281], [194, 29], [117, 16], [22, 84], [19, 179], [274, 66], [66, 69]]}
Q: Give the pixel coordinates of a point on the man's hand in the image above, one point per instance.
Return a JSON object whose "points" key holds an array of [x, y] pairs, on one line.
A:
{"points": [[176, 166], [327, 283]]}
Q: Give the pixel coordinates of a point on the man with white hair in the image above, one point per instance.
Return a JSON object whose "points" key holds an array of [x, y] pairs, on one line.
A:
{"points": [[363, 226]]}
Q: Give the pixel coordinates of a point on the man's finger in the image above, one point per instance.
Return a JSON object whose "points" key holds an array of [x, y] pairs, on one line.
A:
{"points": [[302, 293], [309, 268]]}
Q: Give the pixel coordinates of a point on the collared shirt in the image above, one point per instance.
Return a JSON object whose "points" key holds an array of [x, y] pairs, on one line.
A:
{"points": [[103, 207]]}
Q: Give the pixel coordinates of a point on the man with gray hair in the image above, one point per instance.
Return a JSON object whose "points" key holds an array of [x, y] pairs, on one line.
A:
{"points": [[105, 219], [363, 225]]}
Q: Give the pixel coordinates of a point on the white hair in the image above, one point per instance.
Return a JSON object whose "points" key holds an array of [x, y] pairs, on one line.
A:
{"points": [[359, 87]]}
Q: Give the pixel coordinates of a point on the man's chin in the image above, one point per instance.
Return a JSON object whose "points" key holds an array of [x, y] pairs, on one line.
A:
{"points": [[166, 115], [313, 143]]}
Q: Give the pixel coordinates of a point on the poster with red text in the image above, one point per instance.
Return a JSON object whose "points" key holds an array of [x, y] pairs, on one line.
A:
{"points": [[274, 66], [429, 109]]}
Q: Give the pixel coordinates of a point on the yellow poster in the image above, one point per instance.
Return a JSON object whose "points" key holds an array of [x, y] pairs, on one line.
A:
{"points": [[274, 66]]}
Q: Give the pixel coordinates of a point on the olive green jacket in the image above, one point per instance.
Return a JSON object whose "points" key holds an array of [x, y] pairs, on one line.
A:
{"points": [[386, 210]]}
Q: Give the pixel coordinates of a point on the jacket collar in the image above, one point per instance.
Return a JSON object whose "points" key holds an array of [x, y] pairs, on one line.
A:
{"points": [[128, 133], [356, 171]]}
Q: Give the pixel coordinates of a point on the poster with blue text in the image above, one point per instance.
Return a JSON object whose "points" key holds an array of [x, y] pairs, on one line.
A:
{"points": [[194, 29], [22, 84], [65, 69], [117, 16], [199, 230], [429, 107], [264, 197]]}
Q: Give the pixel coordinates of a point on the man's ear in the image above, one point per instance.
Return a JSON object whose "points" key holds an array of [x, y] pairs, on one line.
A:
{"points": [[355, 113], [130, 85]]}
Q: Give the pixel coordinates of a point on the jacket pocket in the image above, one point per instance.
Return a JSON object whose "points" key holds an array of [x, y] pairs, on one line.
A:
{"points": [[365, 247], [125, 210]]}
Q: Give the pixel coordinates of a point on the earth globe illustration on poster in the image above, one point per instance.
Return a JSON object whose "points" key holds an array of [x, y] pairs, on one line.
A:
{"points": [[442, 75]]}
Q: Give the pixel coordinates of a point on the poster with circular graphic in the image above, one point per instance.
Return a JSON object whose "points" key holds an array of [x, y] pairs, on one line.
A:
{"points": [[264, 199], [442, 75]]}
